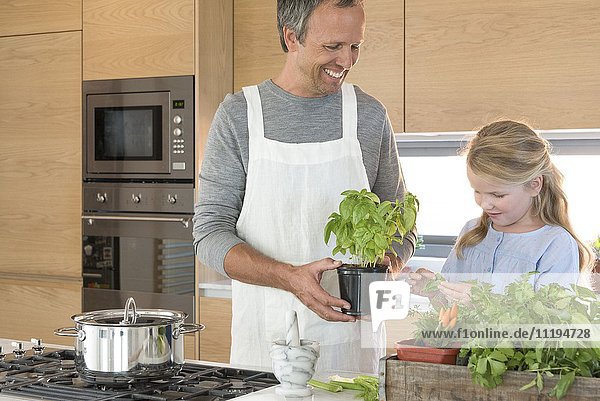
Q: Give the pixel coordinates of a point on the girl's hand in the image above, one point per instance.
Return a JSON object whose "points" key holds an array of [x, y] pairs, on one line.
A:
{"points": [[456, 292], [418, 280]]}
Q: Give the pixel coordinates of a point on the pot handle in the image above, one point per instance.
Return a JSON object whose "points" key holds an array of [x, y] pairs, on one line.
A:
{"points": [[130, 314], [70, 332], [187, 328]]}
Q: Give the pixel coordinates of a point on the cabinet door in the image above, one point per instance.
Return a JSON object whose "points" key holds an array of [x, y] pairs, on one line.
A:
{"points": [[258, 55], [137, 38], [469, 62], [215, 339], [34, 309], [21, 17], [40, 155]]}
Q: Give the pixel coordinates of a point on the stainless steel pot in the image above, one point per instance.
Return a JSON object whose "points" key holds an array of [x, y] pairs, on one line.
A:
{"points": [[117, 346]]}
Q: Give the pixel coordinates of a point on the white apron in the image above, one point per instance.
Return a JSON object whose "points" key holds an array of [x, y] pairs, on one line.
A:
{"points": [[291, 190]]}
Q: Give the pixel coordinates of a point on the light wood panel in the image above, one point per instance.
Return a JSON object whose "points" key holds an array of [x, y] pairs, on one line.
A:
{"points": [[20, 17], [215, 340], [468, 62], [40, 156], [258, 54], [137, 38], [380, 69], [34, 309], [214, 72], [189, 345], [214, 79]]}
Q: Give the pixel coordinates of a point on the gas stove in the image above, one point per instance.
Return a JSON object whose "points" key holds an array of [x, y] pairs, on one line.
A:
{"points": [[50, 375]]}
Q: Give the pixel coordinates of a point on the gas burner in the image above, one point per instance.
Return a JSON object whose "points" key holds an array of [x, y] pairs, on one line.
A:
{"points": [[233, 391], [51, 375]]}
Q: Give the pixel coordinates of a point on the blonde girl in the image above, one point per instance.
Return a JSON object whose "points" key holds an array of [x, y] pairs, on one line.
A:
{"points": [[524, 225]]}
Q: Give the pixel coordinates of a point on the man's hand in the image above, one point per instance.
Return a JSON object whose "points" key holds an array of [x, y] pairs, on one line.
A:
{"points": [[305, 284]]}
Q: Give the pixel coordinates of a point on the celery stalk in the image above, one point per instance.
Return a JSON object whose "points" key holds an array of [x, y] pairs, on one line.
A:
{"points": [[334, 388]]}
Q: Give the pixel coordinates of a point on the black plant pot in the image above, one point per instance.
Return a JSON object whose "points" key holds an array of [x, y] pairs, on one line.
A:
{"points": [[354, 286]]}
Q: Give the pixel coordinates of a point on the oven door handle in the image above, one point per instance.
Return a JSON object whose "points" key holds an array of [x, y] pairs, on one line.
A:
{"points": [[90, 219]]}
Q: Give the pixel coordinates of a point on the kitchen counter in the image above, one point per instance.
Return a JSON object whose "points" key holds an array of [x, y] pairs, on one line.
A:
{"points": [[319, 395], [263, 395]]}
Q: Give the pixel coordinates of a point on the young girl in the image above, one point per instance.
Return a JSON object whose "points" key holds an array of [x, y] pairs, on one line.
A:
{"points": [[524, 226]]}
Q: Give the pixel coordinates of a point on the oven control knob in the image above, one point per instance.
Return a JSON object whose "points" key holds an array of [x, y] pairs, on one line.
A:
{"points": [[177, 132], [38, 347], [19, 351], [101, 197], [177, 119], [136, 198], [172, 199]]}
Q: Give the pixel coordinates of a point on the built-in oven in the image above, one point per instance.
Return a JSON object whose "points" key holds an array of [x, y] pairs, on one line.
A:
{"points": [[139, 129], [137, 242], [138, 193]]}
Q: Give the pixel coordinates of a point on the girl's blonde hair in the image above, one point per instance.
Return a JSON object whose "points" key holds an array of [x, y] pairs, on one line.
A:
{"points": [[511, 153]]}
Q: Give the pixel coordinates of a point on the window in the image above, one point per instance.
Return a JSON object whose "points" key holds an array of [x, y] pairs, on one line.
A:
{"points": [[436, 174]]}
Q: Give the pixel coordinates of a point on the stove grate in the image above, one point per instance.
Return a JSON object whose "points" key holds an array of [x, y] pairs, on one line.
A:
{"points": [[52, 376]]}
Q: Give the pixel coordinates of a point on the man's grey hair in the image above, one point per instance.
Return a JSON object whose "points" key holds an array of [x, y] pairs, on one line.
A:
{"points": [[294, 14]]}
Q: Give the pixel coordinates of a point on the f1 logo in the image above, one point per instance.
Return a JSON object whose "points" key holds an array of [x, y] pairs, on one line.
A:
{"points": [[389, 301]]}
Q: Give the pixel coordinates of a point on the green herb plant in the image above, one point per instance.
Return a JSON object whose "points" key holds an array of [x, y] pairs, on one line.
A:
{"points": [[428, 322], [434, 284], [366, 228], [521, 304]]}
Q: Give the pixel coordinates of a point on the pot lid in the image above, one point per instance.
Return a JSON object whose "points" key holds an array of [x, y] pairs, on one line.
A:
{"points": [[130, 316], [114, 317]]}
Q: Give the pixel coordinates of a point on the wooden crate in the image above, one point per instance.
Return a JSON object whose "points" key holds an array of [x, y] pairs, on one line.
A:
{"points": [[416, 381]]}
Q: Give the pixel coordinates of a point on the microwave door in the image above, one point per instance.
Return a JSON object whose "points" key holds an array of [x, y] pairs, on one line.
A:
{"points": [[128, 134]]}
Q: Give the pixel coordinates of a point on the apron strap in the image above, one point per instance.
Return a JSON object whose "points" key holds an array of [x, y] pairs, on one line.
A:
{"points": [[256, 128], [349, 113]]}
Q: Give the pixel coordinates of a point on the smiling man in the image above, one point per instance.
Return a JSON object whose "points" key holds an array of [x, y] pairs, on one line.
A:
{"points": [[278, 156]]}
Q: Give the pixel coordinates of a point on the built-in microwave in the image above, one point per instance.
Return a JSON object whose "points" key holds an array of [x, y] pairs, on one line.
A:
{"points": [[139, 129]]}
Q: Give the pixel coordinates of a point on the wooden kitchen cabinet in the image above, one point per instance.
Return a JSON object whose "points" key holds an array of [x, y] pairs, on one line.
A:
{"points": [[25, 17], [470, 62], [35, 308], [137, 38], [40, 181], [40, 156], [258, 55], [215, 339]]}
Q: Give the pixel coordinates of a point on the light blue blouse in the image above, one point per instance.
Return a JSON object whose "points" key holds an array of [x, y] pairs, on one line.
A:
{"points": [[502, 258]]}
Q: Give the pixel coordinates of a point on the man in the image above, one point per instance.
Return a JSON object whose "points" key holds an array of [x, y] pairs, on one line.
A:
{"points": [[278, 156]]}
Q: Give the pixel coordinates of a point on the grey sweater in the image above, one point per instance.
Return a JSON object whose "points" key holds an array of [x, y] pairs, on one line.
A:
{"points": [[292, 119]]}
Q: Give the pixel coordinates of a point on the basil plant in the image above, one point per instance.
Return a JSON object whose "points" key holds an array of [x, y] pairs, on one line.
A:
{"points": [[366, 227]]}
